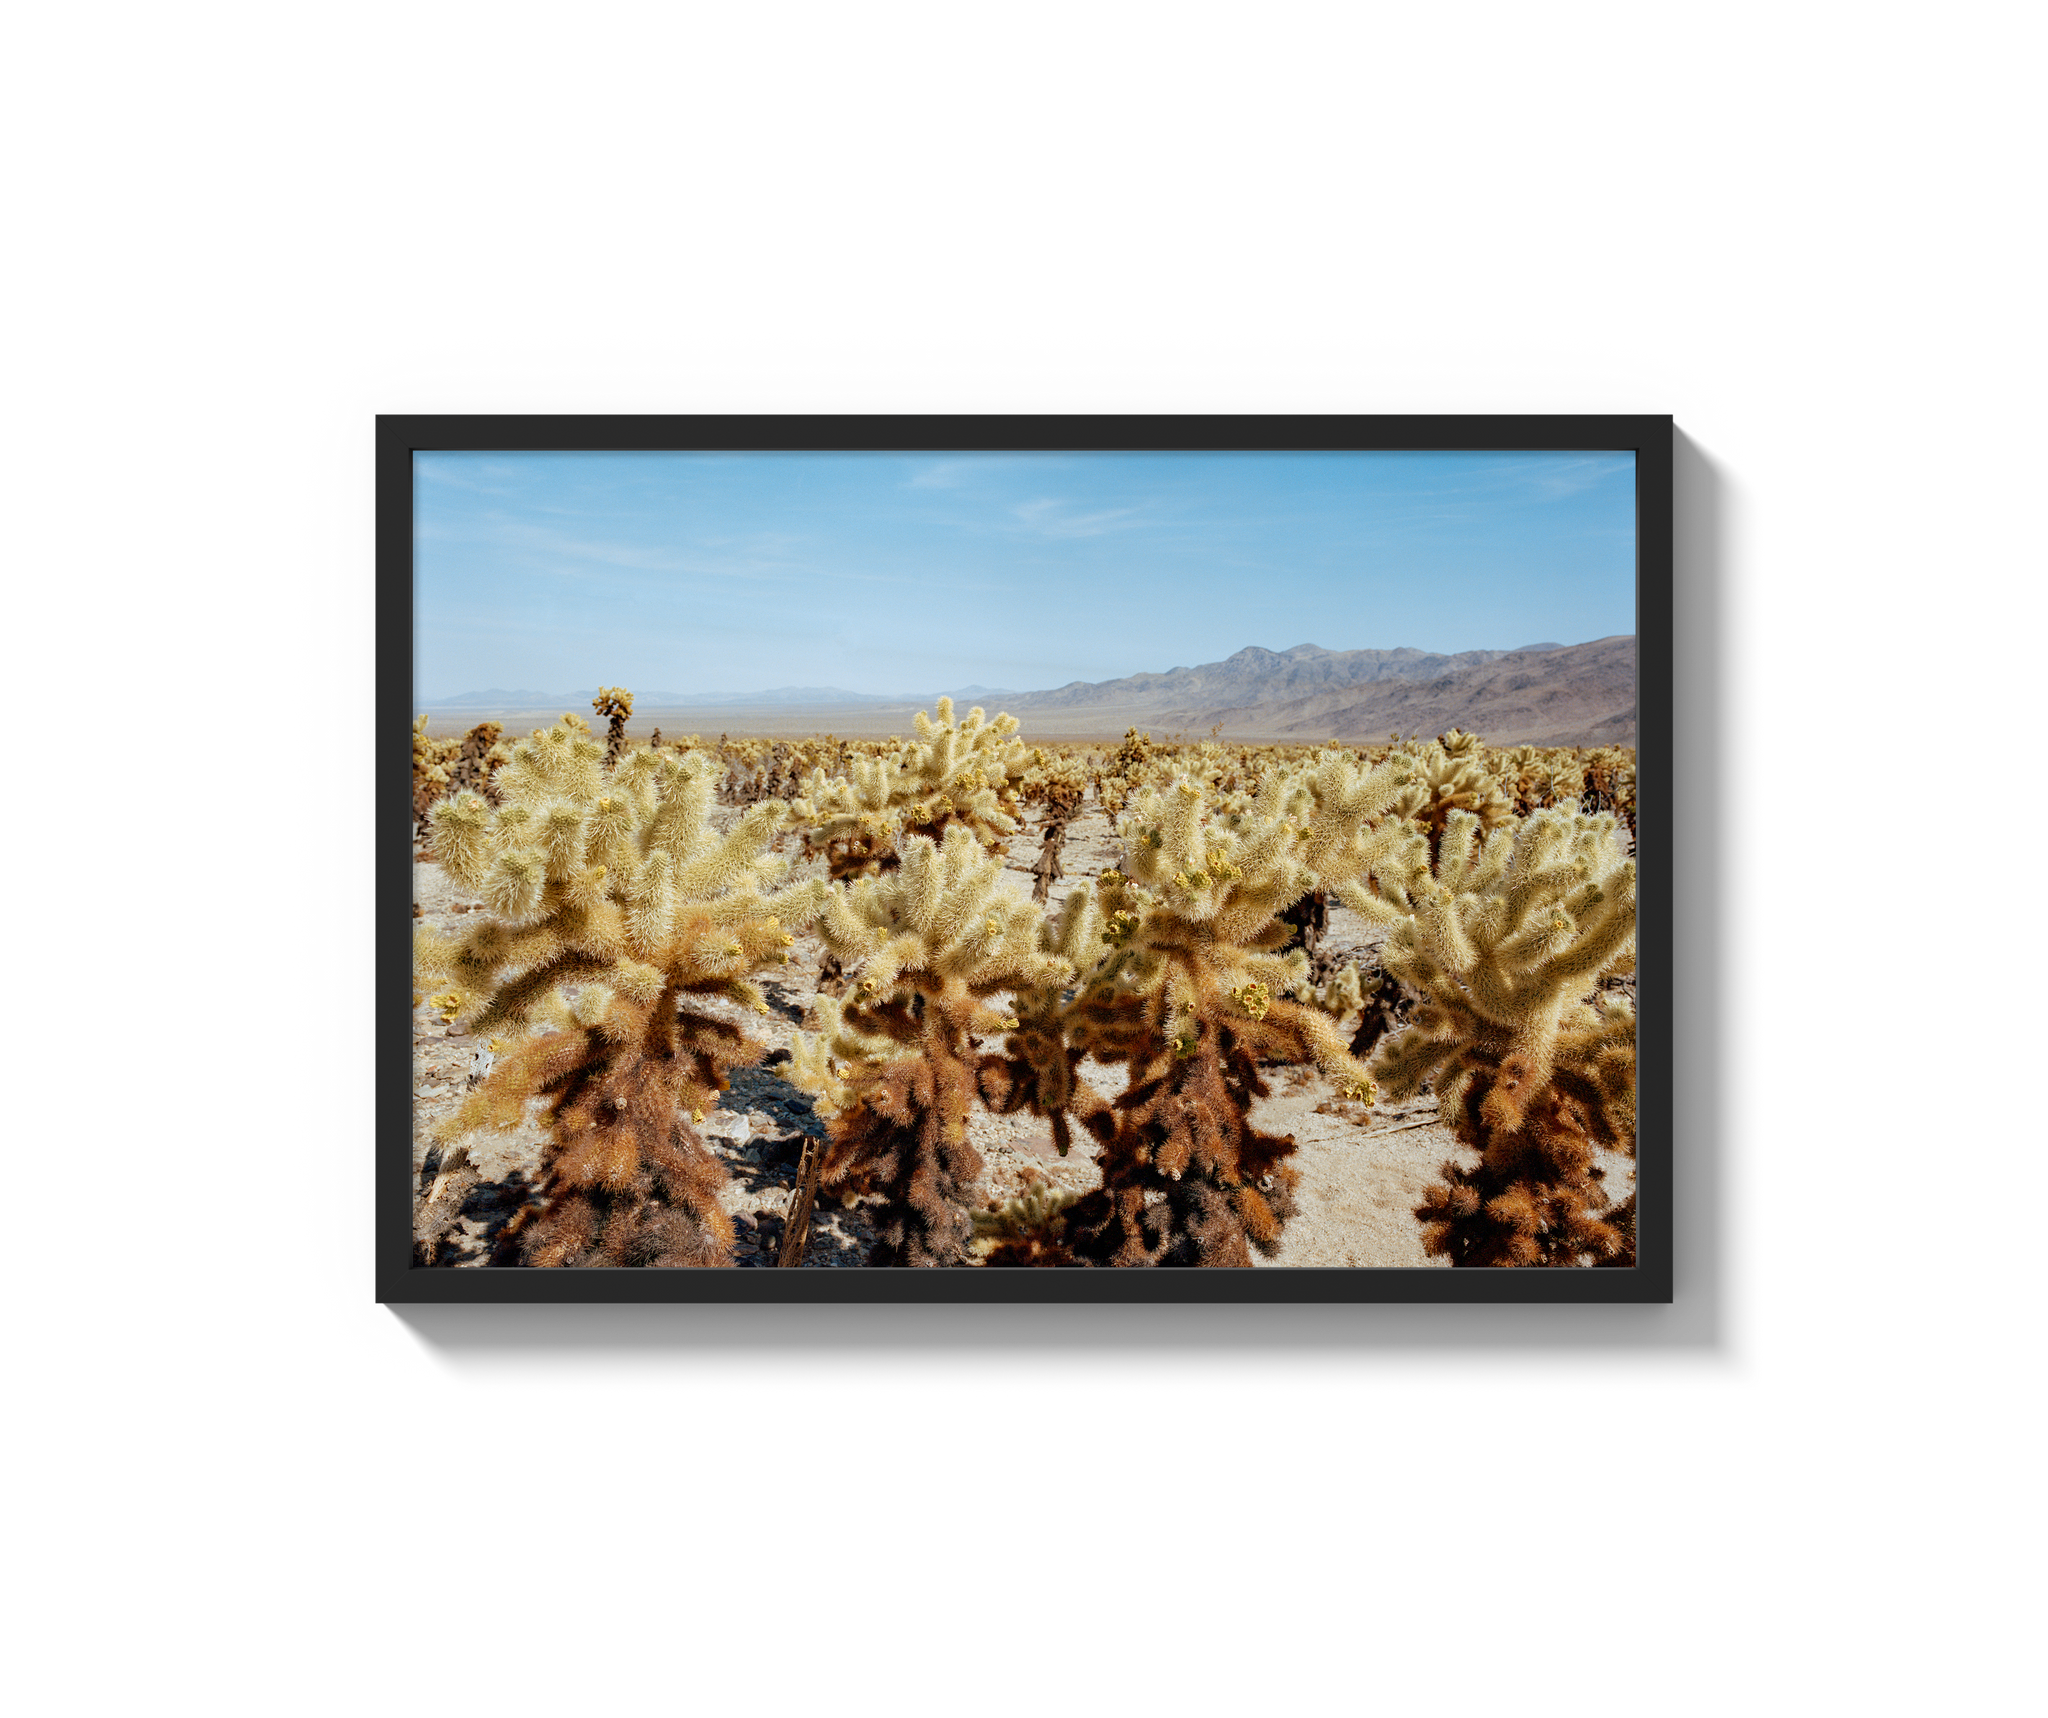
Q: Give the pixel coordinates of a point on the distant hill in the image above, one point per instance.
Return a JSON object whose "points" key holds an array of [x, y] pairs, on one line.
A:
{"points": [[1258, 676], [495, 699], [1577, 695], [1540, 694]]}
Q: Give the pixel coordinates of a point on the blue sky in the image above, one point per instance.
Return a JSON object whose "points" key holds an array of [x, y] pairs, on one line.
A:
{"points": [[911, 574]]}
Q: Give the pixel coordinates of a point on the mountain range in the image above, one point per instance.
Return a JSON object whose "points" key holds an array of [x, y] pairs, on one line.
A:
{"points": [[1256, 676], [1543, 694], [1539, 694]]}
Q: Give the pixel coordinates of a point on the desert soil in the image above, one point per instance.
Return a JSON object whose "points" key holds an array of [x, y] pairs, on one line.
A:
{"points": [[1363, 1171]]}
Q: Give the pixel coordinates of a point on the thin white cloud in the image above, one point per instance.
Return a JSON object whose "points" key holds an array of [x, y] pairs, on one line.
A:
{"points": [[767, 558], [1049, 518], [437, 473], [1556, 479], [575, 555], [1544, 478], [959, 473], [947, 474]]}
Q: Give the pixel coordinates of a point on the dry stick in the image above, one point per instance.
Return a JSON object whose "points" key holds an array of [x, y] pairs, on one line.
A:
{"points": [[796, 1227], [1430, 1121], [1047, 868]]}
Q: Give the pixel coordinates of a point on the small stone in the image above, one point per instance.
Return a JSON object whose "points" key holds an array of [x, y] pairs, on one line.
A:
{"points": [[723, 1124]]}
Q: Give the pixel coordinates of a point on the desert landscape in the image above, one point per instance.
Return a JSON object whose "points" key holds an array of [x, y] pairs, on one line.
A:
{"points": [[1364, 1168], [1540, 695]]}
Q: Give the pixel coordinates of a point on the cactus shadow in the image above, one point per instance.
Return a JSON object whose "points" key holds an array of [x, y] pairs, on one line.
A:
{"points": [[485, 1211]]}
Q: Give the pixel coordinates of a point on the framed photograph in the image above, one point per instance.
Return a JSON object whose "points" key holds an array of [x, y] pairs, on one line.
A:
{"points": [[1024, 858]]}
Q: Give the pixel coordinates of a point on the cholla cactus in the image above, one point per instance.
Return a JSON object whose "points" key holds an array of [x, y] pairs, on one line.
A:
{"points": [[1059, 784], [1134, 755], [953, 774], [1191, 995], [933, 941], [1503, 942], [1029, 1230], [611, 880], [617, 703], [432, 761], [1039, 1069], [1521, 773], [1126, 771], [1610, 775], [483, 754], [1053, 780], [1562, 782], [752, 777], [1347, 990], [1451, 776]]}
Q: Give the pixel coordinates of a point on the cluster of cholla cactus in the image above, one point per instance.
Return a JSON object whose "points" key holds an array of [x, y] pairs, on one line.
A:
{"points": [[447, 766], [1056, 785], [1538, 778], [775, 769], [1185, 987], [1610, 774], [1192, 999], [1450, 776], [1231, 773], [955, 774], [476, 765], [432, 760], [1123, 771], [935, 940], [616, 913], [1503, 939], [441, 768], [1052, 780], [1172, 971]]}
